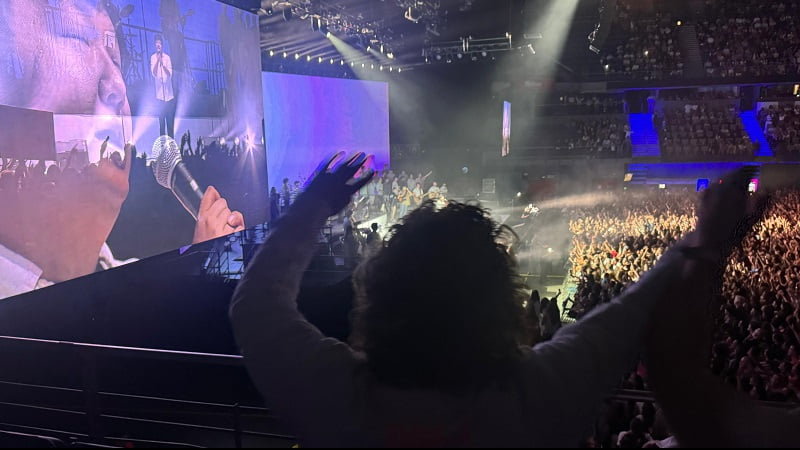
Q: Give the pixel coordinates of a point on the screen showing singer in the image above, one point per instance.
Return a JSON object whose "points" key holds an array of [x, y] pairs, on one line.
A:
{"points": [[161, 67], [103, 80]]}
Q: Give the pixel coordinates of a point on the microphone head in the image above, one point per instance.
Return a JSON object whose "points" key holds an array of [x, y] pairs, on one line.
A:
{"points": [[167, 155]]}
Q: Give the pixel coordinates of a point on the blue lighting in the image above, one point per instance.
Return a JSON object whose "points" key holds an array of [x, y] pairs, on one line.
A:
{"points": [[644, 137], [753, 128], [682, 173]]}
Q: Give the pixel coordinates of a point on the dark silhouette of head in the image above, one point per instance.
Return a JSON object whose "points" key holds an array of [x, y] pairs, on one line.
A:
{"points": [[374, 226], [440, 306]]}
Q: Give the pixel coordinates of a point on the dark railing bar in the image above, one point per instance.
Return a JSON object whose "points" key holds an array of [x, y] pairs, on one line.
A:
{"points": [[199, 427], [43, 408], [41, 430], [39, 386], [135, 352], [145, 441], [182, 402]]}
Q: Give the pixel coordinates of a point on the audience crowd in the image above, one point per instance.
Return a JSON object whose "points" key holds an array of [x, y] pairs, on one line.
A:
{"points": [[758, 333], [702, 132], [607, 137], [750, 39], [737, 39], [575, 104], [781, 123], [647, 46]]}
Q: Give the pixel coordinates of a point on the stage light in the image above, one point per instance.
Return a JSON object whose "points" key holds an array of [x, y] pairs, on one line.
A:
{"points": [[381, 68], [606, 67], [285, 54], [271, 53], [459, 55], [679, 23], [390, 55], [484, 54], [341, 62], [331, 60], [372, 66], [438, 57], [391, 69], [519, 194], [308, 58], [399, 70], [362, 65], [381, 48], [319, 60], [297, 56]]}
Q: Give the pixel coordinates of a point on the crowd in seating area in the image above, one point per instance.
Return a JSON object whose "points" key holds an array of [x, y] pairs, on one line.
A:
{"points": [[607, 137], [779, 91], [756, 346], [703, 132], [781, 124], [750, 39], [737, 39], [570, 104], [647, 49], [614, 243], [686, 95]]}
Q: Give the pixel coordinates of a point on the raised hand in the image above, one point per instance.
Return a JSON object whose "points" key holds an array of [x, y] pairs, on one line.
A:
{"points": [[333, 185], [723, 217]]}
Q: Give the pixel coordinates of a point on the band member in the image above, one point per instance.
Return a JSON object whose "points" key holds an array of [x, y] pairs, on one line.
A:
{"points": [[404, 200], [161, 68], [433, 192], [418, 194]]}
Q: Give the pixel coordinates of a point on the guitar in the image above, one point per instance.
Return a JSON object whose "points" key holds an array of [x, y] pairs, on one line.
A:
{"points": [[404, 195]]}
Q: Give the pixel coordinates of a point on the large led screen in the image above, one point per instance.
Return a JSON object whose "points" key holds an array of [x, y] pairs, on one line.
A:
{"points": [[308, 118], [104, 103]]}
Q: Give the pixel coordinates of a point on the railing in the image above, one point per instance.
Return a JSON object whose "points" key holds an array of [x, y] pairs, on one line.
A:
{"points": [[103, 411], [98, 412]]}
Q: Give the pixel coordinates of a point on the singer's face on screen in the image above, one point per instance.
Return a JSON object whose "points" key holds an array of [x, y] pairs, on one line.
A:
{"points": [[63, 59]]}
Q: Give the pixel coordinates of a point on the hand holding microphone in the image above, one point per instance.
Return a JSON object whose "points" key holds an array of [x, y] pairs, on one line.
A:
{"points": [[214, 218]]}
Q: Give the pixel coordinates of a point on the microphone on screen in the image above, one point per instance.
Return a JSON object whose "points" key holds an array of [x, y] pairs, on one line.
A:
{"points": [[171, 173]]}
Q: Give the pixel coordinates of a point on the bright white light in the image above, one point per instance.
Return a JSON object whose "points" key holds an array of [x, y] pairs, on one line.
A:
{"points": [[519, 194]]}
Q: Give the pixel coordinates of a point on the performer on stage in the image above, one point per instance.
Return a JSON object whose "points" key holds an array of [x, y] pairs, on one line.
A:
{"points": [[161, 68]]}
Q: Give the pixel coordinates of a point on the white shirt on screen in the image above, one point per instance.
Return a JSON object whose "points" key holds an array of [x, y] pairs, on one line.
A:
{"points": [[163, 76], [17, 274]]}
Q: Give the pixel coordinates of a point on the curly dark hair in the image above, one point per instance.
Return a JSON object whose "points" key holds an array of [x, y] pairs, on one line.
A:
{"points": [[440, 305]]}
